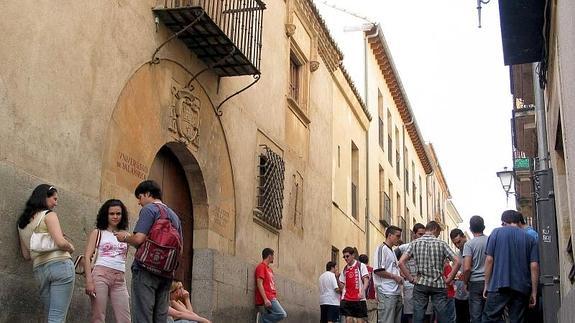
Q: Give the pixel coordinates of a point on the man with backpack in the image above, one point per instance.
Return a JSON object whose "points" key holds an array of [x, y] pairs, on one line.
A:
{"points": [[158, 239]]}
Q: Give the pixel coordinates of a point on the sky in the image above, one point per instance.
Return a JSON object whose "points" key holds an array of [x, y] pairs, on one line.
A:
{"points": [[456, 82]]}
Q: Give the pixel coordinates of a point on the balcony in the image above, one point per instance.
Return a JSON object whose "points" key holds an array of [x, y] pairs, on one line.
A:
{"points": [[224, 34]]}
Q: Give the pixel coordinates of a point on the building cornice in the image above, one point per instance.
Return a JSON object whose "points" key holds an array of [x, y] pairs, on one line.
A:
{"points": [[383, 57]]}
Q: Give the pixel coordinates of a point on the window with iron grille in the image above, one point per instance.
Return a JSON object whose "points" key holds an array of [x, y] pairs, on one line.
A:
{"points": [[270, 188], [390, 150], [397, 168], [294, 79], [354, 210], [335, 255], [406, 182], [413, 191], [403, 227], [381, 133], [386, 208]]}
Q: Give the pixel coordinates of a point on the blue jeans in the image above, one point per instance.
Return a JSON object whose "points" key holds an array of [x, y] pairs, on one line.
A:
{"points": [[150, 296], [476, 300], [515, 301], [275, 313], [439, 300], [56, 279]]}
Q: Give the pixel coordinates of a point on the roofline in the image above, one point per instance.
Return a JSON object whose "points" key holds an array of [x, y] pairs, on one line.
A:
{"points": [[384, 59], [440, 176]]}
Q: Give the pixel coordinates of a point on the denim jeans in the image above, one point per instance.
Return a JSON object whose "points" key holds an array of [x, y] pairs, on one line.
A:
{"points": [[476, 300], [388, 308], [438, 296], [515, 301], [56, 280], [150, 296], [110, 284], [275, 313]]}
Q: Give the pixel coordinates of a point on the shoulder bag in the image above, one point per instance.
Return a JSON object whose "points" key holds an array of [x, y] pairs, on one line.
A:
{"points": [[42, 241], [79, 262]]}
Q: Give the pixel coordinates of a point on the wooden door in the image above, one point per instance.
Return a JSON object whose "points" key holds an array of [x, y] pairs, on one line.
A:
{"points": [[167, 171]]}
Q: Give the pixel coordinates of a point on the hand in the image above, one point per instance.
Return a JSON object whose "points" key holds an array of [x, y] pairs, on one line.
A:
{"points": [[448, 281], [70, 248], [485, 292], [185, 294], [121, 236], [398, 279], [533, 300], [90, 289], [267, 303]]}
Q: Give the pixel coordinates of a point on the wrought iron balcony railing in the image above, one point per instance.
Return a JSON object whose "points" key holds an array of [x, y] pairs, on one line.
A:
{"points": [[225, 34]]}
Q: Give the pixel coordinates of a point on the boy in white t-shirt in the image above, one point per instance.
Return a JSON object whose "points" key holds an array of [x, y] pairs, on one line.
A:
{"points": [[387, 278], [329, 294]]}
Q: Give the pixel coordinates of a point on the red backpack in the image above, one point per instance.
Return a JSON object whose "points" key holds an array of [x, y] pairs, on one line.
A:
{"points": [[160, 252]]}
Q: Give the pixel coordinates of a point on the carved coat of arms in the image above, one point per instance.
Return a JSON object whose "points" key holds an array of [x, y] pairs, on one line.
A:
{"points": [[185, 116]]}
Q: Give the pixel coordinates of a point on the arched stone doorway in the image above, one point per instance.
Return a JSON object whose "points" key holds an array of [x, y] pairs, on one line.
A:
{"points": [[167, 171], [160, 123]]}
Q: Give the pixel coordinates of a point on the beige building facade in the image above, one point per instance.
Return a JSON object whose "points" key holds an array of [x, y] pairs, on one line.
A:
{"points": [[96, 97]]}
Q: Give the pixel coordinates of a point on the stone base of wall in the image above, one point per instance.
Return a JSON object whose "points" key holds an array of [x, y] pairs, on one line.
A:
{"points": [[222, 286], [567, 310], [223, 290]]}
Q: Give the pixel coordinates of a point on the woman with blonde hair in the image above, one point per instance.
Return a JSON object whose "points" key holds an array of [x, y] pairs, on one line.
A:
{"points": [[180, 310], [107, 280], [52, 264]]}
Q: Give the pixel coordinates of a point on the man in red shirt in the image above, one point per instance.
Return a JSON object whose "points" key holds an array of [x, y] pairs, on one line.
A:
{"points": [[269, 307], [354, 281]]}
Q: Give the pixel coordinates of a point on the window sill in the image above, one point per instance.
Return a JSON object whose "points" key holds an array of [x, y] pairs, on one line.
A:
{"points": [[264, 224], [298, 111]]}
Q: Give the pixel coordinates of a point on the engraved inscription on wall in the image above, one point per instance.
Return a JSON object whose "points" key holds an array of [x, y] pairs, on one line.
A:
{"points": [[220, 219], [131, 166], [185, 116]]}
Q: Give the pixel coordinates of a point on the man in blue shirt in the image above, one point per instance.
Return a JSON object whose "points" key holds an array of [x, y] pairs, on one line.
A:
{"points": [[529, 229], [511, 270]]}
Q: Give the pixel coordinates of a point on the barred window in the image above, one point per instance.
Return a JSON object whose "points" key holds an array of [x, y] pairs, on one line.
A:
{"points": [[270, 188]]}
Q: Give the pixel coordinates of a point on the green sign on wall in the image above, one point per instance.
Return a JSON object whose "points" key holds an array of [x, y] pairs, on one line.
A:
{"points": [[522, 164]]}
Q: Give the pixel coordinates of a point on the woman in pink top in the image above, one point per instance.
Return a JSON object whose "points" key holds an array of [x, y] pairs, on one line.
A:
{"points": [[106, 280]]}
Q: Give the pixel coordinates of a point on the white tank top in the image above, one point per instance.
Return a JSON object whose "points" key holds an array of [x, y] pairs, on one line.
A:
{"points": [[111, 252]]}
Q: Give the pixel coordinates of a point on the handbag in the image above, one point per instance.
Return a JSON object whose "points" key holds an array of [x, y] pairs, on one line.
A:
{"points": [[79, 267], [42, 241]]}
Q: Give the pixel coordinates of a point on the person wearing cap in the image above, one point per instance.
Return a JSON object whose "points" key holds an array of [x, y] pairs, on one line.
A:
{"points": [[511, 270]]}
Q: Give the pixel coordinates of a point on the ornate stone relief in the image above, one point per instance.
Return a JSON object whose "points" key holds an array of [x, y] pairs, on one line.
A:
{"points": [[185, 116], [313, 66], [290, 29]]}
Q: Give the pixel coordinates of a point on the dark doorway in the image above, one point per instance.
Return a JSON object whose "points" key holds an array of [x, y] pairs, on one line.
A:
{"points": [[167, 171]]}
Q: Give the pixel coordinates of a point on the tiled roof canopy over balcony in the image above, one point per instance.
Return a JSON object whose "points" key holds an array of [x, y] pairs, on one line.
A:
{"points": [[227, 34]]}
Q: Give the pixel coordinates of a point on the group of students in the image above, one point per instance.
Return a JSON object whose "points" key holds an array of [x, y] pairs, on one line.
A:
{"points": [[155, 298], [491, 279]]}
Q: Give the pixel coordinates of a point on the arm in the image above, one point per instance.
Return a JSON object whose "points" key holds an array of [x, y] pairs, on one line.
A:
{"points": [[404, 258], [176, 314], [534, 267], [454, 270], [24, 249], [365, 280], [134, 240], [56, 232], [88, 253], [260, 283], [466, 269], [488, 270]]}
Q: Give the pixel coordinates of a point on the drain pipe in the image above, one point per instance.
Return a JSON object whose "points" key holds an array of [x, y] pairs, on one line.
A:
{"points": [[366, 91]]}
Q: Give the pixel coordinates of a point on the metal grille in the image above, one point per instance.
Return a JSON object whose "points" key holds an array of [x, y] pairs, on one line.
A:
{"points": [[354, 210], [270, 188], [386, 208], [240, 20], [381, 133], [389, 150]]}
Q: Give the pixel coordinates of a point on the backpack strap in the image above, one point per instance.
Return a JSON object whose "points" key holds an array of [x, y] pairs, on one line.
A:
{"points": [[163, 213]]}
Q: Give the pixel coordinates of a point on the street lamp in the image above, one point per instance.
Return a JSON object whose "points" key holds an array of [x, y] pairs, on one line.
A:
{"points": [[506, 178]]}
